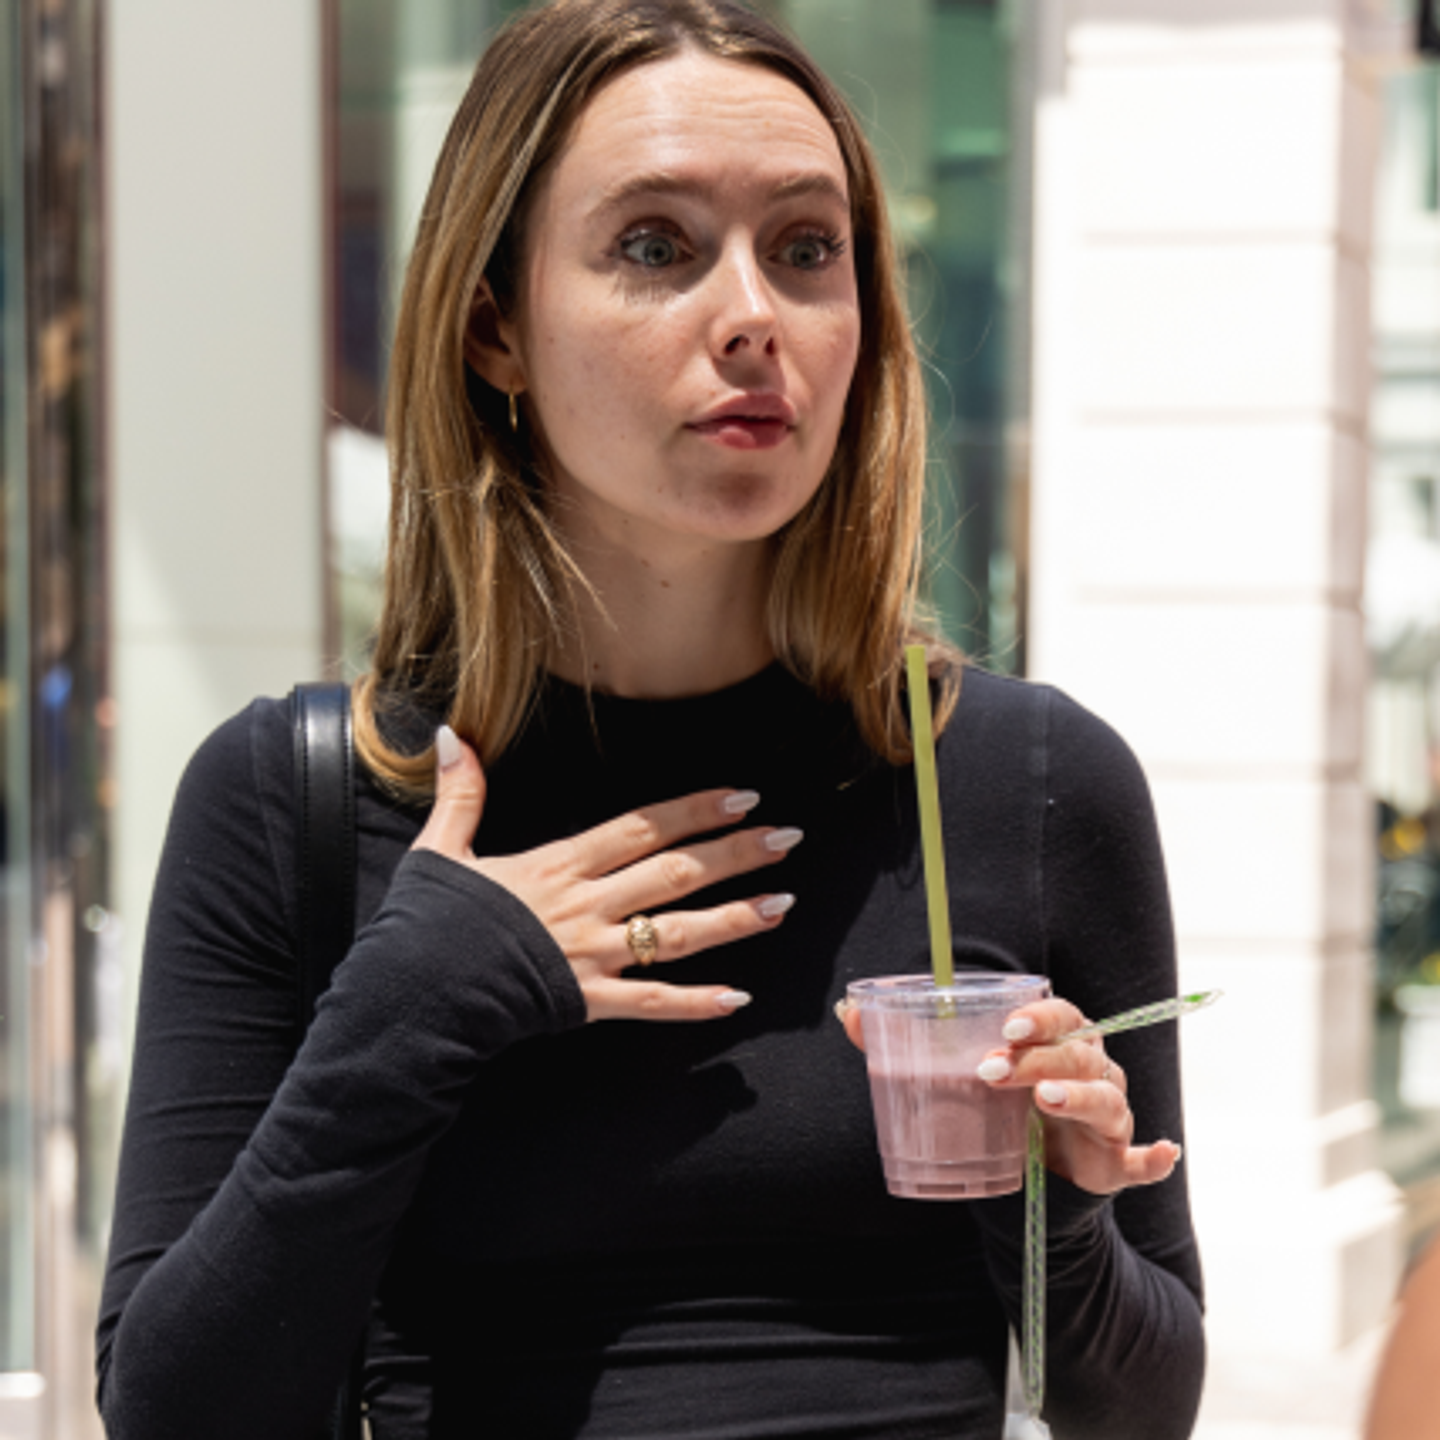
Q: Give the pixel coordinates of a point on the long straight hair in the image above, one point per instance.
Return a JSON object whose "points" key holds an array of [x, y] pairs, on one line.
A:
{"points": [[478, 582]]}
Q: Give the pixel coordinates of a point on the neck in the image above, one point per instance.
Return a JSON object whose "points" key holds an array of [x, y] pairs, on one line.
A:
{"points": [[661, 629]]}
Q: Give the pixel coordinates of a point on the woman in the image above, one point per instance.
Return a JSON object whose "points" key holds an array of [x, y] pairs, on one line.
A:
{"points": [[657, 440]]}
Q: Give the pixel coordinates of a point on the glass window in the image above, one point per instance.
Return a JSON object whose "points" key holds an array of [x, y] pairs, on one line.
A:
{"points": [[17, 1216], [60, 1053], [932, 80], [1403, 621]]}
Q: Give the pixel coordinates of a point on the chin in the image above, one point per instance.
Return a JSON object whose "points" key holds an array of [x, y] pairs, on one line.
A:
{"points": [[755, 509]]}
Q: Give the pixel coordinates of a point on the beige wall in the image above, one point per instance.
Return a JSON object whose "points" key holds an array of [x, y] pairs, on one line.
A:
{"points": [[215, 361], [1203, 202]]}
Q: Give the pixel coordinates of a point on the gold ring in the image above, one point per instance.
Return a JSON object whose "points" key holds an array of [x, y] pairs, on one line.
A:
{"points": [[643, 939]]}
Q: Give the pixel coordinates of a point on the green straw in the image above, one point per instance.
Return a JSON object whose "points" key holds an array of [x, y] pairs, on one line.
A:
{"points": [[927, 787]]}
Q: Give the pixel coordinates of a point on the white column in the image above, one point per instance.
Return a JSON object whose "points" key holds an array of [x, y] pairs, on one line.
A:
{"points": [[215, 349], [1203, 196]]}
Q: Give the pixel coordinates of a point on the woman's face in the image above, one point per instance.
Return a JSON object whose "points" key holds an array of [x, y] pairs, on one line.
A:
{"points": [[688, 323]]}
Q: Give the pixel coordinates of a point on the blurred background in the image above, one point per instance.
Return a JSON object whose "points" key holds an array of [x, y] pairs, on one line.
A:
{"points": [[1175, 266]]}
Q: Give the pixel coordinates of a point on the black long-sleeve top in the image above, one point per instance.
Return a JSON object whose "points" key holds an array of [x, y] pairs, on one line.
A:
{"points": [[628, 1229]]}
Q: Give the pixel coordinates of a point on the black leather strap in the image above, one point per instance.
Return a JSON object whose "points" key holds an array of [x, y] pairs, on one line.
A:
{"points": [[325, 827], [325, 874]]}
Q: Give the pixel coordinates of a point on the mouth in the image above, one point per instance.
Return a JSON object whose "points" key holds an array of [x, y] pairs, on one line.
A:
{"points": [[748, 422]]}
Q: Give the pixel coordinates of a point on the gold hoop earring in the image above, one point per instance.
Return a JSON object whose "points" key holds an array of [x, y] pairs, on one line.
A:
{"points": [[514, 414]]}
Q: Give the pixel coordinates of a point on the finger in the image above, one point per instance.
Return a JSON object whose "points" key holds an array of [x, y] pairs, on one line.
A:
{"points": [[459, 798], [631, 837], [1096, 1104], [1029, 1065], [662, 879], [613, 999], [685, 932], [1149, 1164], [848, 1014], [1043, 1022]]}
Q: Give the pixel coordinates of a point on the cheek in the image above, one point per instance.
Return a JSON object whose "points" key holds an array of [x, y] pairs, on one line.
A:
{"points": [[835, 359], [608, 365]]}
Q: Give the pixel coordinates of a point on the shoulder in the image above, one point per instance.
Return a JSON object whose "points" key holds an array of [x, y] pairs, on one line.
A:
{"points": [[251, 744], [240, 779], [1064, 737], [222, 893], [233, 805], [1018, 742]]}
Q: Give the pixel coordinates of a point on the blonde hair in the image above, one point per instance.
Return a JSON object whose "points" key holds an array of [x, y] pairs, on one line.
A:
{"points": [[478, 583]]}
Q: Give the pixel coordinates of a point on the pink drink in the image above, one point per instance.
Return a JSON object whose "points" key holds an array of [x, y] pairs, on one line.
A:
{"points": [[944, 1134], [943, 1137]]}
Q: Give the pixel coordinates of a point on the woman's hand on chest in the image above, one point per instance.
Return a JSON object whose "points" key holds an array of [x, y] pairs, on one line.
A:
{"points": [[593, 891]]}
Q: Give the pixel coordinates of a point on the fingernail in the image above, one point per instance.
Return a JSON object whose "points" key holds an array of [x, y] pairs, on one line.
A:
{"points": [[1022, 1027], [785, 839], [774, 905], [732, 1000], [997, 1067], [447, 748], [843, 1007], [740, 802], [1179, 1151], [1052, 1092]]}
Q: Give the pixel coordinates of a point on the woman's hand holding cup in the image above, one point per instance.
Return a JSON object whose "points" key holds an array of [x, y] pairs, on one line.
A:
{"points": [[1081, 1092], [1078, 1089], [587, 889]]}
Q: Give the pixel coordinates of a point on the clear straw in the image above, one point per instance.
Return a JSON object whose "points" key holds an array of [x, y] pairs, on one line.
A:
{"points": [[1032, 1347]]}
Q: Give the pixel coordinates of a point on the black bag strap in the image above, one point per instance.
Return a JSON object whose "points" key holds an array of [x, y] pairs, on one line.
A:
{"points": [[325, 831], [325, 888]]}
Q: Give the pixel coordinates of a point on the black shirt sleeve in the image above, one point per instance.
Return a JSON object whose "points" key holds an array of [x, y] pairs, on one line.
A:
{"points": [[258, 1198], [1125, 1347]]}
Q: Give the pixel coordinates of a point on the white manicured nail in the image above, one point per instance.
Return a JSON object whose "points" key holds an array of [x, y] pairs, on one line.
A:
{"points": [[1179, 1151], [785, 839], [741, 802], [997, 1067], [1020, 1028], [773, 905], [1052, 1092], [447, 748], [732, 1000], [843, 1007]]}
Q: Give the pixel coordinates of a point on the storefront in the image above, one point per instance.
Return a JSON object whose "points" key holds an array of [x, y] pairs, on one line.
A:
{"points": [[1139, 295], [59, 980], [1403, 626]]}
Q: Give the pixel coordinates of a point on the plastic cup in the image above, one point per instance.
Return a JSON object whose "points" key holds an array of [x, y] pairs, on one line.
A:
{"points": [[944, 1133]]}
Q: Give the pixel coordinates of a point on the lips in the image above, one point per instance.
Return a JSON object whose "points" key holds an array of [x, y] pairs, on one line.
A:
{"points": [[756, 405], [752, 421]]}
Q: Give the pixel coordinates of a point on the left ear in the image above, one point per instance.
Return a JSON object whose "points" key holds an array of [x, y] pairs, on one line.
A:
{"points": [[490, 344]]}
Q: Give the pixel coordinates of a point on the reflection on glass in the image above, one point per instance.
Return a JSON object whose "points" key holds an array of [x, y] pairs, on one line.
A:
{"points": [[1402, 604], [402, 68], [17, 1235], [931, 80], [59, 1071]]}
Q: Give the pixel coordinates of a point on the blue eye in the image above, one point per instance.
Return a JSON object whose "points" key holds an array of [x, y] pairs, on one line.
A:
{"points": [[653, 250], [812, 252]]}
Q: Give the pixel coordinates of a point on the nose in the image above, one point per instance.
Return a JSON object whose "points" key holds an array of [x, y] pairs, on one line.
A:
{"points": [[745, 321]]}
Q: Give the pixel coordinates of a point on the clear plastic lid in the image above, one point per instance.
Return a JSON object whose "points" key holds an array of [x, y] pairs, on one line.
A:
{"points": [[972, 990]]}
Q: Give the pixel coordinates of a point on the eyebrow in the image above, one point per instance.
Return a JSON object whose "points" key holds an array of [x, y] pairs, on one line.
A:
{"points": [[667, 182]]}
